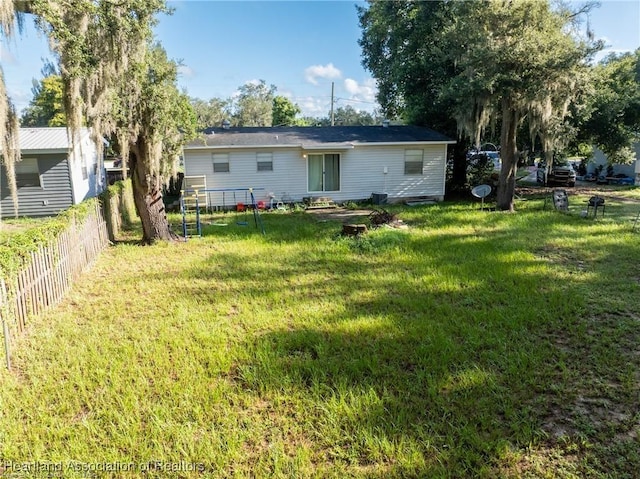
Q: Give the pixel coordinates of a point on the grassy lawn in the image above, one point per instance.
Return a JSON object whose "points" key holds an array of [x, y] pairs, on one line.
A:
{"points": [[473, 344], [11, 226]]}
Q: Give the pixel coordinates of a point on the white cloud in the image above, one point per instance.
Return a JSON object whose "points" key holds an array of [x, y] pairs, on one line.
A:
{"points": [[186, 72], [6, 56], [313, 106], [608, 51], [365, 92], [19, 97], [327, 72]]}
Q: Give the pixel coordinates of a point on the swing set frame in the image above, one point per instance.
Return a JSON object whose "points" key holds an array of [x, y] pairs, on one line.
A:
{"points": [[239, 207]]}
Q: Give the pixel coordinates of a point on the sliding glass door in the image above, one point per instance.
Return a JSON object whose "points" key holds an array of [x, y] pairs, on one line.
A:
{"points": [[324, 172]]}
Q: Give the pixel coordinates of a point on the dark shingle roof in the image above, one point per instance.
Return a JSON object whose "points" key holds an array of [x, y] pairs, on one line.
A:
{"points": [[315, 136]]}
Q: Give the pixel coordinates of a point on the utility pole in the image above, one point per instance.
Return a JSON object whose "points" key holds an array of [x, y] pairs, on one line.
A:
{"points": [[332, 119]]}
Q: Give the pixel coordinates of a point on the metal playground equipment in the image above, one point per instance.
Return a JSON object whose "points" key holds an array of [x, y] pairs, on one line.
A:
{"points": [[193, 200]]}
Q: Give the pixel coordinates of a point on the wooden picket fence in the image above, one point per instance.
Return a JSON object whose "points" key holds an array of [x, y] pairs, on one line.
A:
{"points": [[49, 272]]}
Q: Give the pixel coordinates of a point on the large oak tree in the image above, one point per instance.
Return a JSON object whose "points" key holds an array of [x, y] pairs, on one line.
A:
{"points": [[402, 45], [118, 83], [473, 64], [516, 58]]}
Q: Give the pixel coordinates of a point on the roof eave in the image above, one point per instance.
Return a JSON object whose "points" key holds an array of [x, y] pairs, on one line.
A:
{"points": [[44, 151], [329, 146], [401, 143], [236, 147], [322, 146]]}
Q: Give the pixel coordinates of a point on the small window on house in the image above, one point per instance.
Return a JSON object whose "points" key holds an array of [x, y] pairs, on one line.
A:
{"points": [[413, 162], [220, 162], [27, 173], [85, 172], [265, 161]]}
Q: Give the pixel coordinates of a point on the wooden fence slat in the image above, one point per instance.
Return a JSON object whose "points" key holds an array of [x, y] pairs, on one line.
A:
{"points": [[30, 293], [37, 286], [44, 266], [4, 318], [51, 270], [20, 305]]}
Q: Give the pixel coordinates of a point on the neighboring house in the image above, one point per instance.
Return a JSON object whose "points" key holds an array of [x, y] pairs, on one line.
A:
{"points": [[340, 162], [632, 170], [53, 173]]}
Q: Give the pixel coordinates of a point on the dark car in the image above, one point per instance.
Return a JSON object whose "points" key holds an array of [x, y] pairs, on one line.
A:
{"points": [[561, 173]]}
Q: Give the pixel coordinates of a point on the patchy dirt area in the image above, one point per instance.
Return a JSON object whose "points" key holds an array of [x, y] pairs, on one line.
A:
{"points": [[587, 189], [340, 214]]}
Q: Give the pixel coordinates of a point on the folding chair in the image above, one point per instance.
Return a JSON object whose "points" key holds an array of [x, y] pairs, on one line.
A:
{"points": [[594, 203]]}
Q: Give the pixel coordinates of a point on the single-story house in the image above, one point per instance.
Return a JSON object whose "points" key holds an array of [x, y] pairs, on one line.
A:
{"points": [[54, 173], [341, 162]]}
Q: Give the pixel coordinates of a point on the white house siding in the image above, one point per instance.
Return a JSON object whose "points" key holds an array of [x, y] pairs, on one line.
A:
{"points": [[361, 173], [289, 169], [52, 197], [84, 155], [599, 158]]}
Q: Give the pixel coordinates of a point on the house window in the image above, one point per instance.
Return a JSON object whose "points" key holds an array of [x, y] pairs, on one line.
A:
{"points": [[27, 173], [413, 162], [324, 172], [85, 172], [220, 162], [265, 161]]}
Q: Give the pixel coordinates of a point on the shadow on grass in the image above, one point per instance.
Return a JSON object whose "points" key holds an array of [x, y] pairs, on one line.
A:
{"points": [[437, 354]]}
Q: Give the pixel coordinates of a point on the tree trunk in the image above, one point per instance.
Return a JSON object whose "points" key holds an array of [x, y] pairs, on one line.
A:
{"points": [[548, 163], [459, 171], [147, 195], [509, 157]]}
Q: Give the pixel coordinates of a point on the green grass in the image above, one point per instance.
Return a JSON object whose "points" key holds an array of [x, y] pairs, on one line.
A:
{"points": [[473, 344], [11, 226]]}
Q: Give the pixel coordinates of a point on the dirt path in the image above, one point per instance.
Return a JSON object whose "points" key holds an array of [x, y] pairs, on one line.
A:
{"points": [[340, 214]]}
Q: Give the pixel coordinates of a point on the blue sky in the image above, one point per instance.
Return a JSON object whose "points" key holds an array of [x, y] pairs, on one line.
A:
{"points": [[299, 46]]}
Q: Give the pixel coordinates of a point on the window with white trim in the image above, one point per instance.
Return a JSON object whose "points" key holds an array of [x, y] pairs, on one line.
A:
{"points": [[220, 162], [27, 173], [413, 162], [264, 161]]}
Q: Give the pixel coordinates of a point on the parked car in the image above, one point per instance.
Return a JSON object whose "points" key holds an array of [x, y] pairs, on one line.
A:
{"points": [[494, 156], [561, 173], [622, 179]]}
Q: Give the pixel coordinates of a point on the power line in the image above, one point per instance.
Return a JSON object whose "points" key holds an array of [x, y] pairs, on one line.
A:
{"points": [[357, 101]]}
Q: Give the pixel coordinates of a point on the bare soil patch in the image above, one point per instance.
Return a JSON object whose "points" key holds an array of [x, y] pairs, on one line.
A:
{"points": [[342, 215]]}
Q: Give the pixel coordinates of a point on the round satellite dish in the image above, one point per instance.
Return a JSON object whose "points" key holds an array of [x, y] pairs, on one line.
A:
{"points": [[481, 191]]}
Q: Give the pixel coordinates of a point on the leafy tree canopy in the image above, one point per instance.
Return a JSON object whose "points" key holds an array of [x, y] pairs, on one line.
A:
{"points": [[345, 116], [212, 112], [474, 64], [613, 118], [254, 104], [47, 106], [284, 112]]}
